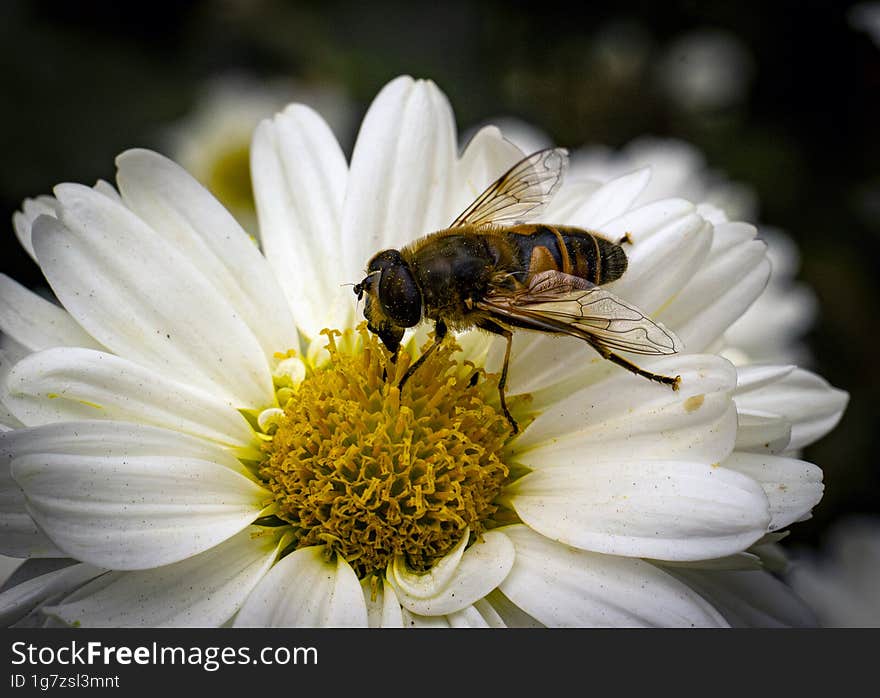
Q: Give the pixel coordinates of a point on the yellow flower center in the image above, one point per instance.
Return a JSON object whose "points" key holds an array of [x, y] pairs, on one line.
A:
{"points": [[230, 178], [374, 472]]}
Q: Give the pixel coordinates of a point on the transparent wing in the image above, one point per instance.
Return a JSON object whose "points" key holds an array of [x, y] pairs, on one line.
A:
{"points": [[557, 302], [525, 188]]}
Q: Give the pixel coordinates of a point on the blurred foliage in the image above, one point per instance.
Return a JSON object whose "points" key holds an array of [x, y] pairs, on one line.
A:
{"points": [[83, 81]]}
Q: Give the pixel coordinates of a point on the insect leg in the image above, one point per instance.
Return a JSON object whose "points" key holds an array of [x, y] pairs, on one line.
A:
{"points": [[494, 328], [630, 366], [439, 334]]}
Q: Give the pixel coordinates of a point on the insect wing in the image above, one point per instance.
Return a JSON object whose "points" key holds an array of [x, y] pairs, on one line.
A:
{"points": [[557, 302], [524, 189]]}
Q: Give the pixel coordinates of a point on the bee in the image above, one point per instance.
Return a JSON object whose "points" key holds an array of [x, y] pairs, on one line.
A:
{"points": [[492, 271]]}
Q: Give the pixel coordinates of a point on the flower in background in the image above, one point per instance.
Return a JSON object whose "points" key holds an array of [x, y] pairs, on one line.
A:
{"points": [[207, 433], [213, 142], [865, 16], [839, 581], [705, 70]]}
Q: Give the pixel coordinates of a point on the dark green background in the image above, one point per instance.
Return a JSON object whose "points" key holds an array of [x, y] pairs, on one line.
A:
{"points": [[84, 81]]}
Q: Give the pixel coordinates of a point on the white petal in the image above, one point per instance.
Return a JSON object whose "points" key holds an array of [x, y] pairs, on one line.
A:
{"points": [[667, 510], [401, 167], [648, 220], [610, 200], [661, 262], [36, 322], [511, 615], [72, 384], [18, 600], [793, 487], [412, 620], [560, 586], [762, 432], [630, 417], [468, 617], [757, 376], [154, 307], [304, 590], [300, 174], [191, 220], [427, 584], [800, 397], [718, 293], [749, 599], [481, 569], [19, 534], [384, 610], [486, 157], [202, 591], [23, 220], [126, 496]]}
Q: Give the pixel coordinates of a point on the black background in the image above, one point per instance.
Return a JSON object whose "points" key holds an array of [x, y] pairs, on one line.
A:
{"points": [[83, 81]]}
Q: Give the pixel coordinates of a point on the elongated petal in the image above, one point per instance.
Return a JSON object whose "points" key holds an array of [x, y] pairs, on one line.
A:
{"points": [[202, 591], [481, 569], [749, 599], [511, 615], [805, 400], [719, 292], [23, 220], [629, 417], [191, 220], [762, 432], [383, 608], [662, 263], [560, 586], [474, 617], [399, 182], [127, 496], [155, 307], [73, 384], [35, 322], [427, 584], [793, 487], [300, 174], [306, 591], [667, 510], [19, 534], [413, 620], [610, 200], [486, 157], [20, 599]]}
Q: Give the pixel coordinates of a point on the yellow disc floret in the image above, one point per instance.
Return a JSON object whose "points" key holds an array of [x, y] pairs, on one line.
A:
{"points": [[372, 472]]}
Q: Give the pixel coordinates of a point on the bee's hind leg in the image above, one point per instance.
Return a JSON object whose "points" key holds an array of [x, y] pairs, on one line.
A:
{"points": [[494, 328], [630, 366]]}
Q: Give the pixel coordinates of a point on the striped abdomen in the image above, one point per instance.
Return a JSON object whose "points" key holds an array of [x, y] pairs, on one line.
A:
{"points": [[570, 250]]}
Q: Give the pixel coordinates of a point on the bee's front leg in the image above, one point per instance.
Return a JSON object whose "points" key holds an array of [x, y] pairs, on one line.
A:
{"points": [[439, 335]]}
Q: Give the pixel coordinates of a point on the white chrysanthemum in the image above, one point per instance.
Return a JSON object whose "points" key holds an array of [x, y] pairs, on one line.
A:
{"points": [[183, 429], [841, 580], [706, 69], [213, 142]]}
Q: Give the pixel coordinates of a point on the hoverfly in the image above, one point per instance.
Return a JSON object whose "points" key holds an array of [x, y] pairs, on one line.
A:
{"points": [[492, 271]]}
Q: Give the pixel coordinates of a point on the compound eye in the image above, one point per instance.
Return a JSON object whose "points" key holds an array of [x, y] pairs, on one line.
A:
{"points": [[400, 296]]}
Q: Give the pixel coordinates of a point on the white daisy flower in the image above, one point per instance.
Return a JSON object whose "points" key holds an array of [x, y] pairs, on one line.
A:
{"points": [[839, 581], [205, 432]]}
